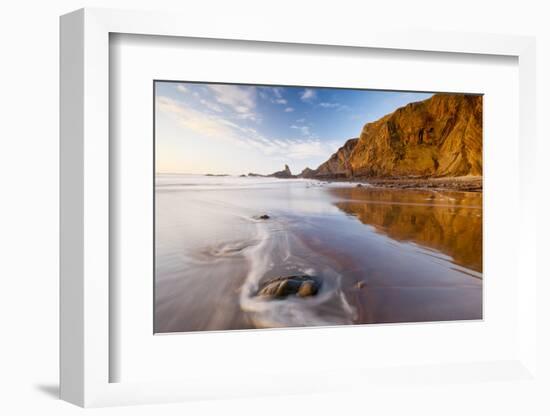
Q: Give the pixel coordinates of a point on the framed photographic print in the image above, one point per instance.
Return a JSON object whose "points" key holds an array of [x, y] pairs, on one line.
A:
{"points": [[312, 205], [386, 227]]}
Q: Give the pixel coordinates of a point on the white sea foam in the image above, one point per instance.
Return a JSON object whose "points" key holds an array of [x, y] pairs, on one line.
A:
{"points": [[275, 248]]}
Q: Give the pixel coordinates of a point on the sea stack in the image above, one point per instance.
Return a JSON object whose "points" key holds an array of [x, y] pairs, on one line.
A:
{"points": [[283, 174]]}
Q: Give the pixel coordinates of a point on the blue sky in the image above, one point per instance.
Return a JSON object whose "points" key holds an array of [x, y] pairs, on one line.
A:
{"points": [[236, 129]]}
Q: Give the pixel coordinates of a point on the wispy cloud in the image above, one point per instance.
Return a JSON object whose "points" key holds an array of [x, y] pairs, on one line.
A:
{"points": [[297, 149], [182, 88], [302, 129], [329, 105], [300, 149], [277, 91], [308, 95], [219, 127], [211, 105], [273, 95], [305, 150], [198, 121], [289, 110], [336, 106], [242, 100]]}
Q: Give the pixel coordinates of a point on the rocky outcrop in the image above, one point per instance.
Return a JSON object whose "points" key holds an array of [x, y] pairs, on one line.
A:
{"points": [[437, 137], [307, 173], [283, 174]]}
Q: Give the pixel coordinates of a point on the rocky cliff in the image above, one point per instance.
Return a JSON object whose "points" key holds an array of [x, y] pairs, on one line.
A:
{"points": [[438, 137], [338, 164]]}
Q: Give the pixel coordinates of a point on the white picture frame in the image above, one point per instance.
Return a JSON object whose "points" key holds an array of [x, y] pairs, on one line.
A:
{"points": [[85, 221]]}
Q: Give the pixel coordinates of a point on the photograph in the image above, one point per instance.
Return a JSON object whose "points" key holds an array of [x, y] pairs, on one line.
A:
{"points": [[283, 206]]}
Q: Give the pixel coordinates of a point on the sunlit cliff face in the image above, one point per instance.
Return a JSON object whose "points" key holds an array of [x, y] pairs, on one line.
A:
{"points": [[449, 222], [437, 137]]}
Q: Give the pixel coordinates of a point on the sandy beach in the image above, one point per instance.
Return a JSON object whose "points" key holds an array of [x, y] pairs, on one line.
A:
{"points": [[383, 255]]}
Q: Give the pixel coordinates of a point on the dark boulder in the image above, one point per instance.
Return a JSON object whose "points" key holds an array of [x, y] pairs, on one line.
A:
{"points": [[281, 287], [262, 217]]}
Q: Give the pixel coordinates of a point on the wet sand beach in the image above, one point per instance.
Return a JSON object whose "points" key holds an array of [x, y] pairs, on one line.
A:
{"points": [[382, 255]]}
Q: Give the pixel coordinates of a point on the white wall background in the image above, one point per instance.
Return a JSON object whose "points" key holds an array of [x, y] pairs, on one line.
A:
{"points": [[29, 206]]}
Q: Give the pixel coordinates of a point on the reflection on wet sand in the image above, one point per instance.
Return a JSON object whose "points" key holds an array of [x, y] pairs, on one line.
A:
{"points": [[450, 222]]}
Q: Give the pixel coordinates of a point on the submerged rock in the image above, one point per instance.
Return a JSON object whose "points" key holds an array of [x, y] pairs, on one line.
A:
{"points": [[281, 287]]}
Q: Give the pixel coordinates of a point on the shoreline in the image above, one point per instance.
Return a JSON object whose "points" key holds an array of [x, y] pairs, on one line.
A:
{"points": [[459, 183], [462, 183]]}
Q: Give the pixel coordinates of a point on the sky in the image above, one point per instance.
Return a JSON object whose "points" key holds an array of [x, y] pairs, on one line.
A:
{"points": [[238, 129]]}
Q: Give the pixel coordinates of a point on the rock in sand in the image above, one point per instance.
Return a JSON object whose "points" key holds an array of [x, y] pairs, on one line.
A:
{"points": [[281, 287]]}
